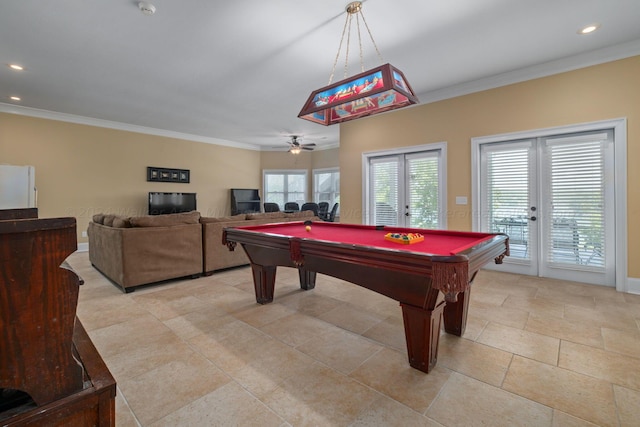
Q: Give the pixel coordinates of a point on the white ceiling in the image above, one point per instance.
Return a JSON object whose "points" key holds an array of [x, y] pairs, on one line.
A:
{"points": [[238, 72]]}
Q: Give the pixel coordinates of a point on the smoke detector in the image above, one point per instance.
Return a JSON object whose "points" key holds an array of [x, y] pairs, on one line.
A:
{"points": [[146, 8]]}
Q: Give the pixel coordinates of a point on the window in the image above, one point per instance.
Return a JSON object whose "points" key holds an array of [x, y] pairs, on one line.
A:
{"points": [[281, 186], [326, 186], [406, 187]]}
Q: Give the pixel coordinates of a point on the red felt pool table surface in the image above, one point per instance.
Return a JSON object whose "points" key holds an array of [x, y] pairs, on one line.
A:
{"points": [[436, 242]]}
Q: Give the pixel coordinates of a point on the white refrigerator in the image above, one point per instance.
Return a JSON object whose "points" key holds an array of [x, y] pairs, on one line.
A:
{"points": [[17, 187]]}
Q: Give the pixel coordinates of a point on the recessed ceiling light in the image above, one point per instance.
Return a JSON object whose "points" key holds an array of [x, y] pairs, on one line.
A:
{"points": [[15, 98], [16, 67], [588, 29]]}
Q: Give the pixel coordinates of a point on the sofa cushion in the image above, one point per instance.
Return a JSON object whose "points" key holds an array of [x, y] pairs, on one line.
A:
{"points": [[98, 218], [121, 222], [239, 217], [265, 215], [168, 220], [108, 220]]}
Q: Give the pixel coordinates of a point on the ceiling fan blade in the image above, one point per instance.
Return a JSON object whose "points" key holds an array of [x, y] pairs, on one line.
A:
{"points": [[311, 144], [307, 148]]}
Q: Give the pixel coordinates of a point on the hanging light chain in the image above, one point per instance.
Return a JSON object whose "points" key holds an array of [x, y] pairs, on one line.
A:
{"points": [[335, 62], [354, 8], [371, 36]]}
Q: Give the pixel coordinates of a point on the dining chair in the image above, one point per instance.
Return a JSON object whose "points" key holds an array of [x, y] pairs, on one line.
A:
{"points": [[310, 206], [291, 206], [323, 210], [271, 207], [332, 214]]}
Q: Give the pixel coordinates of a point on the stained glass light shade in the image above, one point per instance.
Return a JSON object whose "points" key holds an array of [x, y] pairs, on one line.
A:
{"points": [[374, 91]]}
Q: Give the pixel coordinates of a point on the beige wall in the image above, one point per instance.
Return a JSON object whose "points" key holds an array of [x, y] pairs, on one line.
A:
{"points": [[596, 93], [82, 170]]}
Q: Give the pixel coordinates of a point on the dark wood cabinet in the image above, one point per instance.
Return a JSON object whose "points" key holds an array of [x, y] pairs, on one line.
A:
{"points": [[50, 372], [244, 200]]}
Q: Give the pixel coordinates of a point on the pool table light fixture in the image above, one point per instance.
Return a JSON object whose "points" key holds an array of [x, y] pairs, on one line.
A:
{"points": [[377, 90]]}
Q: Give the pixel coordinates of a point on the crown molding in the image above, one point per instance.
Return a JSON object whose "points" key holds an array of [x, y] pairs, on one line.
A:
{"points": [[570, 63], [90, 121]]}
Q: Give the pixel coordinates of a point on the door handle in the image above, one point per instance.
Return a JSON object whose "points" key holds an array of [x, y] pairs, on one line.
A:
{"points": [[533, 218]]}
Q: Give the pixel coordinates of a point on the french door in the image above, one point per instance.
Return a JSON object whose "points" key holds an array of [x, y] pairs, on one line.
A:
{"points": [[405, 189], [554, 197]]}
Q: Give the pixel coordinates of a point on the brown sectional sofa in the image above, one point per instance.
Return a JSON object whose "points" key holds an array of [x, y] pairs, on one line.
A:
{"points": [[134, 251]]}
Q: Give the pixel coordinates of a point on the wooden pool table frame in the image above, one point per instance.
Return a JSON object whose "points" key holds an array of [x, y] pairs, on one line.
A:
{"points": [[402, 275]]}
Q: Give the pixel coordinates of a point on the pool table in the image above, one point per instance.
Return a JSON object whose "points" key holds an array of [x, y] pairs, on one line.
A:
{"points": [[430, 279]]}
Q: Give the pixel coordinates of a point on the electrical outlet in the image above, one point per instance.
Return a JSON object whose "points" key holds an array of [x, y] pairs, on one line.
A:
{"points": [[84, 234]]}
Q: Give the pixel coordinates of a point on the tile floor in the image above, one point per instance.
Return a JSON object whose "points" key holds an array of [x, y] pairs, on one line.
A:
{"points": [[201, 352]]}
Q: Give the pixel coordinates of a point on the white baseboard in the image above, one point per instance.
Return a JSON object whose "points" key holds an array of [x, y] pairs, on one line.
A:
{"points": [[83, 247], [633, 285]]}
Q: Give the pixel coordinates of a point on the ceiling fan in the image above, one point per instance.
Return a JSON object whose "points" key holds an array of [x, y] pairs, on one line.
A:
{"points": [[295, 147]]}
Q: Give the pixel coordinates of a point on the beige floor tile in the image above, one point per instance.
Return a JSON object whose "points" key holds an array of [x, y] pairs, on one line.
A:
{"points": [[351, 318], [199, 322], [628, 402], [127, 335], [341, 350], [473, 328], [580, 395], [254, 350], [169, 387], [613, 367], [268, 366], [124, 415], [230, 405], [258, 315], [388, 372], [564, 294], [137, 359], [310, 302], [385, 412], [389, 332], [573, 331], [231, 345], [169, 304], [613, 319], [478, 361], [541, 307], [623, 342], [562, 419], [296, 329], [528, 344], [97, 313], [500, 314], [322, 397], [468, 402]]}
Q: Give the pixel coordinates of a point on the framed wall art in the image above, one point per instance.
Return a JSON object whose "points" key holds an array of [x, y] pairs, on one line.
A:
{"points": [[168, 175]]}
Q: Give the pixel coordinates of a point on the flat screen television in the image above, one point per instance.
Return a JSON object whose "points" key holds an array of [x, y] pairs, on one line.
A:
{"points": [[168, 203]]}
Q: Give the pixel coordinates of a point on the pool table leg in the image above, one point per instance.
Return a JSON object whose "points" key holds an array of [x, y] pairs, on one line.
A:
{"points": [[307, 279], [455, 314], [422, 331], [264, 280]]}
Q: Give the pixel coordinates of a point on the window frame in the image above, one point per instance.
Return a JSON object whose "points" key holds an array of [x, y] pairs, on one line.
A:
{"points": [[286, 173]]}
